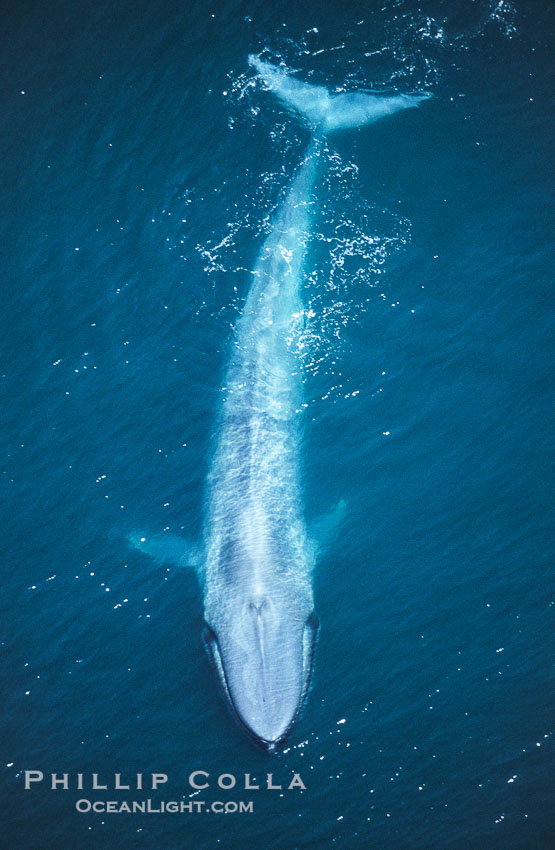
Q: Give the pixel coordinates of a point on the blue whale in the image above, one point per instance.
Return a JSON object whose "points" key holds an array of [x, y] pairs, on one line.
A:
{"points": [[257, 556]]}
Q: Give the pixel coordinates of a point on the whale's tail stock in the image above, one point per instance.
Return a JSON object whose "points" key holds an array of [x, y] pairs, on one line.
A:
{"points": [[324, 111]]}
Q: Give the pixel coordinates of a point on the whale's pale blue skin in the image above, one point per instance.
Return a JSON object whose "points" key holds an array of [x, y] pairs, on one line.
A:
{"points": [[258, 588], [326, 112], [257, 557], [261, 627]]}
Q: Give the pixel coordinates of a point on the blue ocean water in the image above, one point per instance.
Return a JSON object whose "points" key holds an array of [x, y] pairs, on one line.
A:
{"points": [[141, 166]]}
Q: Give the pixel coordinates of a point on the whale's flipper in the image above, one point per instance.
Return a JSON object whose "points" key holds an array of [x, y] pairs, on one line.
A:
{"points": [[326, 112], [168, 548], [323, 528]]}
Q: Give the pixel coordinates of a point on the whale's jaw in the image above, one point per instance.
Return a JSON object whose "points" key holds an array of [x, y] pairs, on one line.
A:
{"points": [[266, 700]]}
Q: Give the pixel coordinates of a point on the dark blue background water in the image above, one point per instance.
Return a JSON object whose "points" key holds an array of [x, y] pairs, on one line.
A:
{"points": [[139, 165]]}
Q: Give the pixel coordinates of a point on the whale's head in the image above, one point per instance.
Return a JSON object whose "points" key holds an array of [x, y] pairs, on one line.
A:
{"points": [[262, 649]]}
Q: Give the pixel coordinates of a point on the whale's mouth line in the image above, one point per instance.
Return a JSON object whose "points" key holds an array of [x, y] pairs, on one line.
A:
{"points": [[211, 644], [212, 647]]}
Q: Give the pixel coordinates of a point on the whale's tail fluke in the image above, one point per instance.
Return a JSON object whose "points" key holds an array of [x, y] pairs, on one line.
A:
{"points": [[326, 112]]}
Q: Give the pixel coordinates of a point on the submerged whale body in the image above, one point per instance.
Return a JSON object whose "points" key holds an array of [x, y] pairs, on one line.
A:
{"points": [[257, 555]]}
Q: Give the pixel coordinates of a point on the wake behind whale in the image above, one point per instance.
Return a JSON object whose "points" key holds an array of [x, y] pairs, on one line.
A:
{"points": [[257, 556]]}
